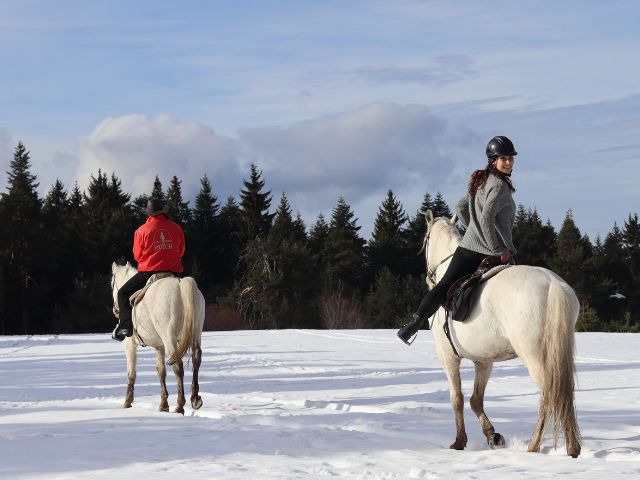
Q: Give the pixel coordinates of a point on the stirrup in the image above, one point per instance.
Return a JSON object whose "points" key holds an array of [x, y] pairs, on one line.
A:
{"points": [[409, 340]]}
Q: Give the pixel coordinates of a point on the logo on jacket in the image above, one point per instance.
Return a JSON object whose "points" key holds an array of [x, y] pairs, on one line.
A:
{"points": [[162, 240]]}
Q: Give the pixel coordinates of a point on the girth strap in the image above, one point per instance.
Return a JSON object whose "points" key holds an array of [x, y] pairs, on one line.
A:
{"points": [[447, 332]]}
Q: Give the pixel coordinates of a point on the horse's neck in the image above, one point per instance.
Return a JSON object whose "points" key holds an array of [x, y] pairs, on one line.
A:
{"points": [[445, 247], [130, 272], [442, 249]]}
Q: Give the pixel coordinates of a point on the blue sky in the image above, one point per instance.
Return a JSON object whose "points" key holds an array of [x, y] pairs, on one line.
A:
{"points": [[331, 98]]}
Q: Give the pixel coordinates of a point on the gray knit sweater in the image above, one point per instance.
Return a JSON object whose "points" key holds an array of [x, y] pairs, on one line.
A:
{"points": [[489, 218]]}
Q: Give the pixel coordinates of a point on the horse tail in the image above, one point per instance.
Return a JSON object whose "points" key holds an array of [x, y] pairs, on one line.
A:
{"points": [[558, 348], [189, 296]]}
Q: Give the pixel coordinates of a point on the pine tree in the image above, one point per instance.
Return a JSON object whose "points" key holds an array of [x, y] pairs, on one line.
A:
{"points": [[230, 241], [391, 298], [299, 228], [631, 248], [388, 246], [570, 258], [177, 209], [156, 191], [205, 242], [440, 207], [318, 236], [110, 223], [255, 203], [282, 228], [280, 272], [415, 237], [62, 241], [631, 244], [535, 242], [344, 251], [21, 250]]}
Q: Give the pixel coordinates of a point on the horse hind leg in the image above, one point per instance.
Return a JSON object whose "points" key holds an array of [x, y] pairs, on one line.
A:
{"points": [[534, 365], [162, 375], [483, 371], [196, 355]]}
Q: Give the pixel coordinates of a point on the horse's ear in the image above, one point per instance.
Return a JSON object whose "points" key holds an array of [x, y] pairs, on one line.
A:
{"points": [[454, 219], [128, 264], [429, 217], [114, 266]]}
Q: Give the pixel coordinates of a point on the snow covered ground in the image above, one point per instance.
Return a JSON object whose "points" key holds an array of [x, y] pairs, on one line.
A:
{"points": [[292, 404]]}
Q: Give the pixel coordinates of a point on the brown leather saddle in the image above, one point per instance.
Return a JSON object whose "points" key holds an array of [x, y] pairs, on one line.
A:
{"points": [[461, 295]]}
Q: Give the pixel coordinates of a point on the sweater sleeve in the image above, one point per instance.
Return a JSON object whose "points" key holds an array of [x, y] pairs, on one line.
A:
{"points": [[488, 222], [462, 210]]}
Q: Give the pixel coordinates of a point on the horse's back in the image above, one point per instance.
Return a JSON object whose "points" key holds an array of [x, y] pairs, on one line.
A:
{"points": [[508, 319]]}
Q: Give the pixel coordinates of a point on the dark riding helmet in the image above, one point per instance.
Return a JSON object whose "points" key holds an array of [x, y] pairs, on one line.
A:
{"points": [[154, 207], [500, 147]]}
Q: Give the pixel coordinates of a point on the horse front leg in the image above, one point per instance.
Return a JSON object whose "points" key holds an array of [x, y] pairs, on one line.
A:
{"points": [[178, 369], [131, 351], [196, 358], [452, 369], [162, 375], [483, 371]]}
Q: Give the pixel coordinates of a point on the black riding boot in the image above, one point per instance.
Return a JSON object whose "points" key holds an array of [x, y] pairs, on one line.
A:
{"points": [[125, 323], [123, 329], [410, 329]]}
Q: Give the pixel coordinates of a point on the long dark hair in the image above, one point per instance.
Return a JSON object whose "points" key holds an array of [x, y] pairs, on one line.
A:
{"points": [[479, 178]]}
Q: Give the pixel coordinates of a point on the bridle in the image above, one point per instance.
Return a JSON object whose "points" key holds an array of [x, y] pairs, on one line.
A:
{"points": [[431, 274]]}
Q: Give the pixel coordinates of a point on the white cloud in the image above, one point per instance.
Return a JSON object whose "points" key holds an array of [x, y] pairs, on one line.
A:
{"points": [[357, 155], [136, 148]]}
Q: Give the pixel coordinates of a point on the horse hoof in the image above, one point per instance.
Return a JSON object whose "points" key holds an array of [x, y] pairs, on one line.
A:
{"points": [[456, 446], [496, 441], [179, 410], [196, 402], [126, 405], [163, 408]]}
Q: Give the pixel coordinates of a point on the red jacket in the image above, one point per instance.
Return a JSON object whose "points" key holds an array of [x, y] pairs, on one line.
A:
{"points": [[158, 245]]}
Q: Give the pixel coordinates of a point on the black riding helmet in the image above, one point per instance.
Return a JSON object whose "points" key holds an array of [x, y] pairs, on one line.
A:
{"points": [[500, 147]]}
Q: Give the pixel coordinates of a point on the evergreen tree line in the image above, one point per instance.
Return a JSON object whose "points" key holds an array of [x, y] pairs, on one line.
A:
{"points": [[264, 268]]}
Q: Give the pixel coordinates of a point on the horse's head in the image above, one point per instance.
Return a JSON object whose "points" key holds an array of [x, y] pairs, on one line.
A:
{"points": [[119, 275], [440, 241]]}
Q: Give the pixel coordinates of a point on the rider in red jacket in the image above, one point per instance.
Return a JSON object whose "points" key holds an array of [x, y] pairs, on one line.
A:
{"points": [[158, 246]]}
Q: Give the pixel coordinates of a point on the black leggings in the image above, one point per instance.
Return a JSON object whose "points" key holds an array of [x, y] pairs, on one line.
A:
{"points": [[462, 263], [130, 287]]}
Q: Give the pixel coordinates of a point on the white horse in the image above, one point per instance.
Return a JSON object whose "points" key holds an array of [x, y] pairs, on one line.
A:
{"points": [[524, 311], [169, 318]]}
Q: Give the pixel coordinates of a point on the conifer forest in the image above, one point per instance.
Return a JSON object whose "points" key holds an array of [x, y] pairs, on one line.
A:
{"points": [[260, 266]]}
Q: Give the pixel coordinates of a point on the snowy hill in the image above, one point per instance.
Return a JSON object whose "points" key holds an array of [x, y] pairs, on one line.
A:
{"points": [[293, 404]]}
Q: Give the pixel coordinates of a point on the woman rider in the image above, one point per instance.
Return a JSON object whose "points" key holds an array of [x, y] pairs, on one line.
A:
{"points": [[488, 212]]}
